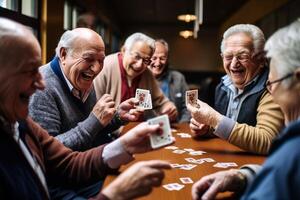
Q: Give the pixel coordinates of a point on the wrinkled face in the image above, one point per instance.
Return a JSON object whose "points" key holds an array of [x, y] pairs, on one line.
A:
{"points": [[159, 59], [84, 63], [136, 59], [280, 92], [21, 83], [238, 60]]}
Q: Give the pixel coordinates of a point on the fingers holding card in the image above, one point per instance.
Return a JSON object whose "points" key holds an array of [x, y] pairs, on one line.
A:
{"points": [[159, 140]]}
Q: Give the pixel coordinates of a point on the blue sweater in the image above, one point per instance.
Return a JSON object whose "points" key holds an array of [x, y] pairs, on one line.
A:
{"points": [[280, 175]]}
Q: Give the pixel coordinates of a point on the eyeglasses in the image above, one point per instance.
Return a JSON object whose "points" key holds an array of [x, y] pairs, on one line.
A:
{"points": [[241, 57], [270, 83], [137, 57]]}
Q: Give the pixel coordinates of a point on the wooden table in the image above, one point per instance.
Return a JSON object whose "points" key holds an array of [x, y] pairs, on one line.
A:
{"points": [[219, 150]]}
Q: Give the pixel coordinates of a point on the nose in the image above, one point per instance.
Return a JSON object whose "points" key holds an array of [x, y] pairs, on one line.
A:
{"points": [[39, 82], [234, 62], [96, 67]]}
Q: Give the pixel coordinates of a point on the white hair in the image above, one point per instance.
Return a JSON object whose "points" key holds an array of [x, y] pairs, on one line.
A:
{"points": [[163, 42], [67, 41], [139, 37], [9, 32], [254, 32], [284, 48]]}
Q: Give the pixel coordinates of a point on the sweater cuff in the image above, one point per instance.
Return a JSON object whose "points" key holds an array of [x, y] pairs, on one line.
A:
{"points": [[250, 171], [225, 127], [92, 124], [114, 154]]}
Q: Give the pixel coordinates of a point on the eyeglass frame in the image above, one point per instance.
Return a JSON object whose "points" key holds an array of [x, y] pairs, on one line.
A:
{"points": [[269, 83], [251, 55], [136, 56]]}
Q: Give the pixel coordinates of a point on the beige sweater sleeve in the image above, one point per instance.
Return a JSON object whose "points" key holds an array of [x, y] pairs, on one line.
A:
{"points": [[258, 139]]}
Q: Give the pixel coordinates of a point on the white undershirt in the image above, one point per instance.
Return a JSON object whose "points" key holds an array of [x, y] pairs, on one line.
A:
{"points": [[32, 161]]}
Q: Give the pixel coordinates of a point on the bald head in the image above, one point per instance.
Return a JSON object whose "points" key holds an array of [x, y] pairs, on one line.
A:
{"points": [[77, 38], [20, 58], [16, 41], [81, 54]]}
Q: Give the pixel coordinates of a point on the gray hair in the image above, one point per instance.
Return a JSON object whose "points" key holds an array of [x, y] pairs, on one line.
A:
{"points": [[163, 42], [253, 31], [137, 37], [284, 48], [66, 41], [9, 32]]}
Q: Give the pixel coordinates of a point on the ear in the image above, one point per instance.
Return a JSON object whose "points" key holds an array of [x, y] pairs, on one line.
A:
{"points": [[62, 53], [297, 73], [297, 77]]}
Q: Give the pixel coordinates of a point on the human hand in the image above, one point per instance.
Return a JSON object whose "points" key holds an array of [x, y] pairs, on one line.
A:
{"points": [[204, 114], [137, 139], [198, 129], [104, 109], [127, 110], [170, 109], [209, 186], [137, 180]]}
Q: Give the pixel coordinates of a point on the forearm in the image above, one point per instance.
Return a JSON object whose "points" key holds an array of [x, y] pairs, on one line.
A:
{"points": [[81, 137]]}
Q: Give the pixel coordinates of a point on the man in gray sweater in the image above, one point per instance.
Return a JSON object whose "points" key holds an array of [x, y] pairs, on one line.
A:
{"points": [[67, 108]]}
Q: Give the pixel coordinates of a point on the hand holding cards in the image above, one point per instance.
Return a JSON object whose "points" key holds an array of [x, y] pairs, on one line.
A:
{"points": [[166, 137], [144, 98]]}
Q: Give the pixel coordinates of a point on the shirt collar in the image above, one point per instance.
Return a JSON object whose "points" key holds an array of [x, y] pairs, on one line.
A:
{"points": [[229, 84], [76, 93]]}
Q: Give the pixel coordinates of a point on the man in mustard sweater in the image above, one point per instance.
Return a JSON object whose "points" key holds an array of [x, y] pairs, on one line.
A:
{"points": [[245, 113]]}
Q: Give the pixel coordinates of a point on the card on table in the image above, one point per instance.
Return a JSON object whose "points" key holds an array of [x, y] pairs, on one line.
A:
{"points": [[173, 186], [159, 140], [186, 180], [144, 98], [191, 97]]}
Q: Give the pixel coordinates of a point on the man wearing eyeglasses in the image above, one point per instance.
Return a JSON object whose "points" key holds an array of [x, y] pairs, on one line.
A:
{"points": [[245, 113], [127, 70]]}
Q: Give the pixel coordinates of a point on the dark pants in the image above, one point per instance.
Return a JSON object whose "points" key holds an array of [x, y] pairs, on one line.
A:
{"points": [[64, 193]]}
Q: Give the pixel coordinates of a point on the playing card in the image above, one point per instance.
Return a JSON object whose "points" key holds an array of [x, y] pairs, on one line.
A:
{"points": [[197, 153], [187, 166], [208, 160], [171, 147], [225, 164], [178, 151], [173, 186], [191, 97], [191, 160], [165, 138], [184, 135], [175, 165], [189, 150], [144, 98], [186, 180]]}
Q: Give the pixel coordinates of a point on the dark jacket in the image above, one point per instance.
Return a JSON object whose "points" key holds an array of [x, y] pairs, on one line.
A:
{"points": [[17, 178]]}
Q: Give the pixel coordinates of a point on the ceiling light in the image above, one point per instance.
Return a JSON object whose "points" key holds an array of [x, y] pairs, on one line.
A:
{"points": [[186, 34], [186, 18]]}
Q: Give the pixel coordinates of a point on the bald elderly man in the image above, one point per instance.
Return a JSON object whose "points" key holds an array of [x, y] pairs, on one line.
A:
{"points": [[29, 155], [68, 108]]}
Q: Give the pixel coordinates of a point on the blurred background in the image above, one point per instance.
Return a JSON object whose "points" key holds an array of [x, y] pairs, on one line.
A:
{"points": [[195, 54]]}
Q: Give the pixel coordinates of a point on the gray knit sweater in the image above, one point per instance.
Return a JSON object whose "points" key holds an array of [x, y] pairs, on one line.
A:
{"points": [[67, 118]]}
